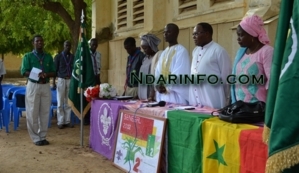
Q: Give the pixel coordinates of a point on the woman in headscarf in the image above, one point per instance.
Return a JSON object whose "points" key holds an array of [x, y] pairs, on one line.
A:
{"points": [[253, 60], [149, 44]]}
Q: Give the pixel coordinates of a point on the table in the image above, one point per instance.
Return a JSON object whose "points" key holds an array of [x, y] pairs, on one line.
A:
{"points": [[195, 142], [215, 145], [162, 111], [103, 126]]}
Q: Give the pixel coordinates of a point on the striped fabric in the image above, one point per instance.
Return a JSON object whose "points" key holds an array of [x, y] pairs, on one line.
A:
{"points": [[199, 143]]}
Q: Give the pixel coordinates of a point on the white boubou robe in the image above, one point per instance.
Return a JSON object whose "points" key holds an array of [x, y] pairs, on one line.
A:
{"points": [[211, 59], [174, 60]]}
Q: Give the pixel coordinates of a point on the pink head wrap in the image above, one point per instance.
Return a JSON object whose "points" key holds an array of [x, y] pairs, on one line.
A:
{"points": [[253, 25]]}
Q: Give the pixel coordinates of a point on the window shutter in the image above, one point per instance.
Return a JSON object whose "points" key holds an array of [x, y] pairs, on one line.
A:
{"points": [[187, 6], [121, 14], [138, 12]]}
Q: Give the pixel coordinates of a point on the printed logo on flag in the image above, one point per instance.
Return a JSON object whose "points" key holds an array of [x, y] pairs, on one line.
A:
{"points": [[105, 124], [76, 70]]}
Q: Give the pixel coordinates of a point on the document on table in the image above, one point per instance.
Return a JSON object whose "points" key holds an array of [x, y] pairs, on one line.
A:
{"points": [[34, 74]]}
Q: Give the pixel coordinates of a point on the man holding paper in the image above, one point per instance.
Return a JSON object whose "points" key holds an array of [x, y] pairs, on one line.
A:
{"points": [[38, 66]]}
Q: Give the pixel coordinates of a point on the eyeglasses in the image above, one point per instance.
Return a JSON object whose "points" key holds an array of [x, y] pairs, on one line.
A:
{"points": [[197, 33]]}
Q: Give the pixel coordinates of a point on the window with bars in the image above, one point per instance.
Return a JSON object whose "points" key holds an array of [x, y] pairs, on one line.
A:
{"points": [[121, 14], [190, 8], [138, 12], [187, 6], [212, 2], [130, 13]]}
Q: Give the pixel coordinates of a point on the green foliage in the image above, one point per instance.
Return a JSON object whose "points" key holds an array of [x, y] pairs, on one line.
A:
{"points": [[20, 20]]}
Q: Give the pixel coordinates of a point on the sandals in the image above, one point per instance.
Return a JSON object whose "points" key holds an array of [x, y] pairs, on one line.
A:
{"points": [[41, 143]]}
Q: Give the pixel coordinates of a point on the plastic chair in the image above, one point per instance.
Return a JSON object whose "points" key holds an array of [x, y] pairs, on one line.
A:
{"points": [[9, 91], [53, 105], [18, 99], [74, 119], [4, 114], [9, 94], [5, 87], [52, 108]]}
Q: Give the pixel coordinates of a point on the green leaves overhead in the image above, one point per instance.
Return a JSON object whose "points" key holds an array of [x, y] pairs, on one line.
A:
{"points": [[55, 20]]}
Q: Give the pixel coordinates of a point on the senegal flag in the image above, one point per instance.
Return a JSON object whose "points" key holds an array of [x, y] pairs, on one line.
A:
{"points": [[281, 130], [82, 75], [199, 143], [185, 141], [221, 147]]}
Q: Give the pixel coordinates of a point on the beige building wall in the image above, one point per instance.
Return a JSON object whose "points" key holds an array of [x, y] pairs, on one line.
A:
{"points": [[134, 18], [12, 64]]}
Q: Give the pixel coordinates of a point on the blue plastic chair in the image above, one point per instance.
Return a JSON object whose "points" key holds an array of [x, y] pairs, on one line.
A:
{"points": [[9, 92], [74, 118], [16, 107], [4, 114], [5, 87], [53, 105]]}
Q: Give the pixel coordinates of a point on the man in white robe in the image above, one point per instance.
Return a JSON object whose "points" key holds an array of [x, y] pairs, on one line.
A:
{"points": [[174, 61], [209, 58]]}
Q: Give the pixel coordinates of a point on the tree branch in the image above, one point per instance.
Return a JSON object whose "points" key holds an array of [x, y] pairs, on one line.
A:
{"points": [[78, 6], [57, 8]]}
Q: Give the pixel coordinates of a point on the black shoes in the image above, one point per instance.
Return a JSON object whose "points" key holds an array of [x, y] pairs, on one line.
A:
{"points": [[61, 126], [41, 143], [45, 142], [69, 125]]}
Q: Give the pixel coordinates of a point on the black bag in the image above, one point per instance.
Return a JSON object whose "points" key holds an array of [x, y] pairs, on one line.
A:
{"points": [[242, 112]]}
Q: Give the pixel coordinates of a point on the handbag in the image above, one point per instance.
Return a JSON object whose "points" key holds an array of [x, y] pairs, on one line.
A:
{"points": [[242, 112]]}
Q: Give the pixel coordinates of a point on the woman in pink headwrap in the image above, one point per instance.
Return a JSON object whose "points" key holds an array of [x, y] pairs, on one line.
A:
{"points": [[253, 61]]}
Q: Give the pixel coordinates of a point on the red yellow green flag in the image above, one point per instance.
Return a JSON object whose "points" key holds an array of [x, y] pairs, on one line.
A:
{"points": [[253, 152], [185, 141], [221, 148]]}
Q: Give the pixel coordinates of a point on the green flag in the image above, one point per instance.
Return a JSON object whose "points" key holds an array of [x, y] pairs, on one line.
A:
{"points": [[82, 75], [185, 141], [281, 130]]}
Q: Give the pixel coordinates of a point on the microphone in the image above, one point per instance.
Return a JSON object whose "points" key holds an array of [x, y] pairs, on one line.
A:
{"points": [[160, 103]]}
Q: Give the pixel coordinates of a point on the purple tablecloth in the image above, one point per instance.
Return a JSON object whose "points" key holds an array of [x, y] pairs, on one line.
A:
{"points": [[103, 126]]}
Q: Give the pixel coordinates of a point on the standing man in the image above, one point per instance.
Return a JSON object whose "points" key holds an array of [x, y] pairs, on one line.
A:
{"points": [[96, 60], [209, 58], [174, 60], [96, 65], [38, 66], [64, 66], [134, 63]]}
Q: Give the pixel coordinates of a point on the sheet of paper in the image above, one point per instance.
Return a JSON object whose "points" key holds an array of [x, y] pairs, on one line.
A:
{"points": [[34, 74]]}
